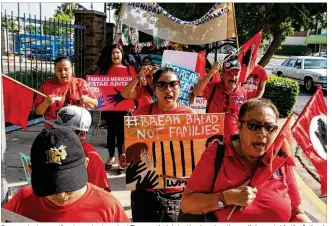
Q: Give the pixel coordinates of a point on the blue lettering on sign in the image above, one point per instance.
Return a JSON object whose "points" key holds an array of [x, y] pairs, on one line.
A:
{"points": [[188, 80], [156, 59]]}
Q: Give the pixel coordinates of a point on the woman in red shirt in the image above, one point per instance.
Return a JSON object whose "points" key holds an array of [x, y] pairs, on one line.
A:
{"points": [[113, 62], [274, 199], [144, 203], [63, 90]]}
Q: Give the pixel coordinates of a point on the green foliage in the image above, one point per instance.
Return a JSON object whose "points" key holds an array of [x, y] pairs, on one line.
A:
{"points": [[32, 78], [30, 28], [59, 27], [292, 50], [9, 25], [283, 93]]}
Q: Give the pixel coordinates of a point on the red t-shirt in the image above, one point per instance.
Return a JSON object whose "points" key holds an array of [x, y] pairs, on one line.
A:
{"points": [[252, 84], [122, 71], [96, 168], [230, 104], [275, 199], [152, 109], [70, 93], [143, 96], [96, 205]]}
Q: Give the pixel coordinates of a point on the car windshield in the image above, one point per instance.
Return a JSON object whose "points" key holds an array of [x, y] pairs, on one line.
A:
{"points": [[315, 64]]}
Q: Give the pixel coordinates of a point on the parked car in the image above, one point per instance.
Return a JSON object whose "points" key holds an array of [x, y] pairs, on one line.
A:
{"points": [[307, 70], [321, 54]]}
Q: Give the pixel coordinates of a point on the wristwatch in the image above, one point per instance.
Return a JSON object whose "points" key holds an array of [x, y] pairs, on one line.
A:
{"points": [[221, 202]]}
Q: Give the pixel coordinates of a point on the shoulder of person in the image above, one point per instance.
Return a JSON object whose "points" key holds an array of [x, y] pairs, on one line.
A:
{"points": [[144, 110], [25, 192], [103, 196], [187, 108]]}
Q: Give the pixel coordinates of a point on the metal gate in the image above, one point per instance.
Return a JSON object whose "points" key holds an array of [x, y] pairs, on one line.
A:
{"points": [[29, 47]]}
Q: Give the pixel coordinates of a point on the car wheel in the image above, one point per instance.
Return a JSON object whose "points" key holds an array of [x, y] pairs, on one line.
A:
{"points": [[308, 85], [280, 74]]}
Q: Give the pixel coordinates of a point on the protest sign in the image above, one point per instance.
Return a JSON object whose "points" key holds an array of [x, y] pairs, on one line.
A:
{"points": [[156, 59], [183, 59], [162, 150], [8, 216], [188, 80], [199, 105], [108, 91], [217, 24]]}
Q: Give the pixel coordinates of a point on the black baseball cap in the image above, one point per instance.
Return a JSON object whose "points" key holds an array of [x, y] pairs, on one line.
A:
{"points": [[232, 64], [57, 162]]}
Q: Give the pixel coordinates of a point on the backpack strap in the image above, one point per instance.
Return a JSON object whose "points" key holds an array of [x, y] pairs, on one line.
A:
{"points": [[210, 99], [218, 162]]}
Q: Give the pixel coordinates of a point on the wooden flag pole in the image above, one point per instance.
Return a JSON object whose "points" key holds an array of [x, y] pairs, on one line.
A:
{"points": [[237, 37], [33, 90]]}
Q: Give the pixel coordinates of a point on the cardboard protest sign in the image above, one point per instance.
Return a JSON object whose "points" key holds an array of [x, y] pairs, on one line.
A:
{"points": [[188, 80], [108, 91], [8, 216], [162, 150], [199, 105], [156, 59]]}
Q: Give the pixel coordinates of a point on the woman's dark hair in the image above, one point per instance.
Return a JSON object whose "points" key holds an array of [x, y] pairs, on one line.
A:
{"points": [[105, 59], [62, 58], [254, 103], [162, 71]]}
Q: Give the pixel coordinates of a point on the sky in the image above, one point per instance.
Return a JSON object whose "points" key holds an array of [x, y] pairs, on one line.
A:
{"points": [[47, 9]]}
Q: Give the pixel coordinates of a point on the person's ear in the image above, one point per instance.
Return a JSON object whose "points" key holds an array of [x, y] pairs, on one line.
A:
{"points": [[87, 161]]}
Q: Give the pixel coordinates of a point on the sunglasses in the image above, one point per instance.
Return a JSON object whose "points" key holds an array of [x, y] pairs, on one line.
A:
{"points": [[161, 85], [253, 126]]}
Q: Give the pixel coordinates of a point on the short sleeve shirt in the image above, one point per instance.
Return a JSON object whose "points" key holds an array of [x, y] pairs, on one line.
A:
{"points": [[252, 84], [276, 198]]}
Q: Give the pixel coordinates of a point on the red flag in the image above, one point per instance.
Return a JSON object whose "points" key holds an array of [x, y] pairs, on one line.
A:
{"points": [[310, 132], [201, 64], [279, 153], [248, 55], [18, 102], [153, 45]]}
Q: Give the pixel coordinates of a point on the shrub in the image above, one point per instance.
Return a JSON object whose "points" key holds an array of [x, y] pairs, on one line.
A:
{"points": [[283, 93], [33, 79], [293, 50]]}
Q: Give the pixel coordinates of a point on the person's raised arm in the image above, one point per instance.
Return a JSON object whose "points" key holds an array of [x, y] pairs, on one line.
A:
{"points": [[200, 86], [129, 91]]}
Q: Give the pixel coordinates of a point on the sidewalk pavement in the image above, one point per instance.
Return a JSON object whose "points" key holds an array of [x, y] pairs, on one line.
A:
{"points": [[20, 141]]}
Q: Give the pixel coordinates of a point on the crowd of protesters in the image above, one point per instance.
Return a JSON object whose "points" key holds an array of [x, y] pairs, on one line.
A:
{"points": [[69, 182]]}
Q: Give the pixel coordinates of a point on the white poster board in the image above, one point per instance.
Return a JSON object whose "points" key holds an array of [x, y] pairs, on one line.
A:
{"points": [[8, 216], [199, 105], [186, 60]]}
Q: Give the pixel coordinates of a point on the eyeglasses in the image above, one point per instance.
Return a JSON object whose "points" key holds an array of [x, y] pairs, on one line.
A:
{"points": [[161, 85], [253, 126]]}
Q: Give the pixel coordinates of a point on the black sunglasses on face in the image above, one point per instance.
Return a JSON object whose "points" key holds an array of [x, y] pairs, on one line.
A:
{"points": [[253, 126], [161, 85]]}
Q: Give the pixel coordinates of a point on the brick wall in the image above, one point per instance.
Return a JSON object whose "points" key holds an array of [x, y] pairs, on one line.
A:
{"points": [[89, 44]]}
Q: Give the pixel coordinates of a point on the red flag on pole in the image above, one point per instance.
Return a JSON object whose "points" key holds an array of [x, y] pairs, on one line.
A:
{"points": [[248, 55], [310, 132], [201, 64], [279, 153], [18, 102]]}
